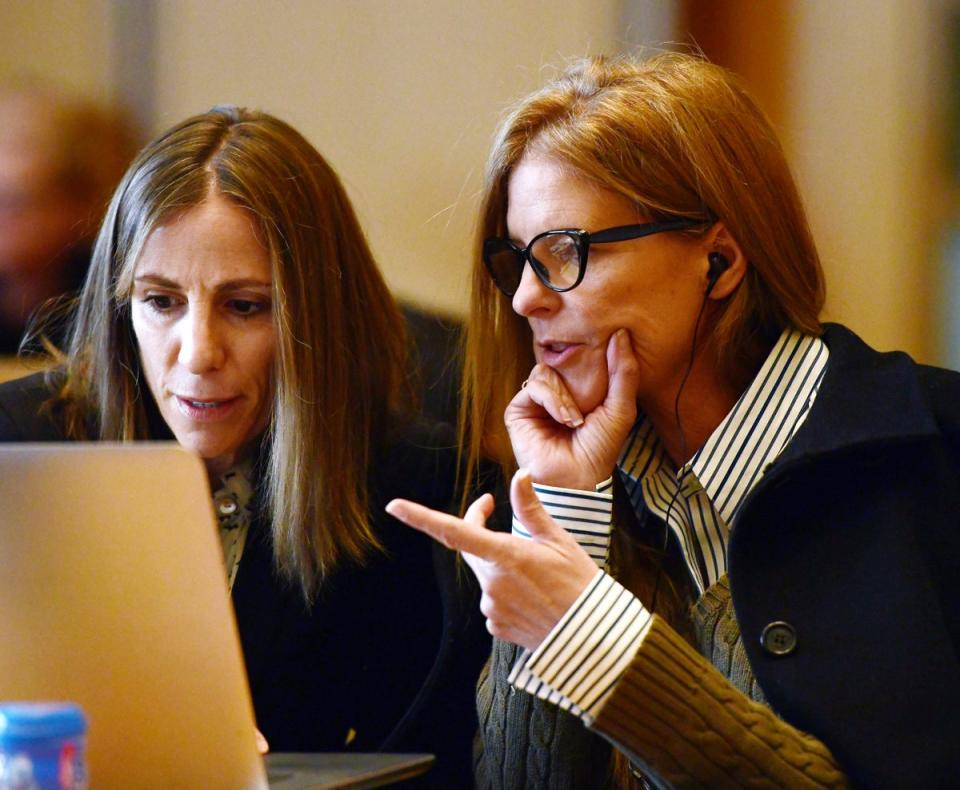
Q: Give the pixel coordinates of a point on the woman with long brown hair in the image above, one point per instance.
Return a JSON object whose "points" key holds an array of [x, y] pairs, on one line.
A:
{"points": [[233, 305], [735, 528]]}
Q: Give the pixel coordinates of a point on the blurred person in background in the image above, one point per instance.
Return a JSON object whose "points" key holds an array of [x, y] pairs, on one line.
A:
{"points": [[60, 159]]}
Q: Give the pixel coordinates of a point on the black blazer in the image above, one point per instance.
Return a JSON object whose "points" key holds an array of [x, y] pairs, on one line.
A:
{"points": [[853, 538], [387, 656]]}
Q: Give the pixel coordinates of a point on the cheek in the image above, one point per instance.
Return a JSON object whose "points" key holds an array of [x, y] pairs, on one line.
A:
{"points": [[646, 314], [259, 361], [264, 388], [149, 346], [614, 300]]}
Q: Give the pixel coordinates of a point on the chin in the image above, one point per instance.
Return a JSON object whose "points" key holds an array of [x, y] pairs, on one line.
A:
{"points": [[588, 391], [202, 447]]}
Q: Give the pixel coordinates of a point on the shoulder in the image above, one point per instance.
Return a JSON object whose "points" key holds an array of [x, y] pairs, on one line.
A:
{"points": [[21, 417], [856, 363], [942, 388], [882, 392]]}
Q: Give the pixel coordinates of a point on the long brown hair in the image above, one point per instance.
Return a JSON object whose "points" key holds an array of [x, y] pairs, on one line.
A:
{"points": [[341, 347], [679, 137]]}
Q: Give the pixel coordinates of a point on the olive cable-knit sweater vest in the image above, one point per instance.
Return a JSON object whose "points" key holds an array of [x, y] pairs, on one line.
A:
{"points": [[524, 742]]}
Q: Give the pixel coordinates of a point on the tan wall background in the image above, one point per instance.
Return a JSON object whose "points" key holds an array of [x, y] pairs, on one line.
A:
{"points": [[69, 42], [863, 124], [403, 97]]}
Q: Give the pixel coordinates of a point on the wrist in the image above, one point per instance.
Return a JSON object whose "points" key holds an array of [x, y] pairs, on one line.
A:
{"points": [[588, 482]]}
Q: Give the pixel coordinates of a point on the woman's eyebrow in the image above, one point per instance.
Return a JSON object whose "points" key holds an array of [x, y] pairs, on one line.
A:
{"points": [[243, 282], [156, 279], [227, 285]]}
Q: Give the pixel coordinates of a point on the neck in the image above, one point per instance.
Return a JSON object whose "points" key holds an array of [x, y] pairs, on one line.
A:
{"points": [[217, 467], [245, 455], [704, 402]]}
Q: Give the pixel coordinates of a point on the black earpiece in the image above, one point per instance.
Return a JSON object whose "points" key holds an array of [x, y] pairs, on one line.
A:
{"points": [[718, 265]]}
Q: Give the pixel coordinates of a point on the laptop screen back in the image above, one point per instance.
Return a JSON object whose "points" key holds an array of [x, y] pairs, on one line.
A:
{"points": [[113, 595]]}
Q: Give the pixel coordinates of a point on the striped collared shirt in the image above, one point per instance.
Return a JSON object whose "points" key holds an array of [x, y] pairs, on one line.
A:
{"points": [[582, 658], [702, 499]]}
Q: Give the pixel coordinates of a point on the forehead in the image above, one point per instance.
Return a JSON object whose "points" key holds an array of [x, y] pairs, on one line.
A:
{"points": [[216, 239], [545, 194]]}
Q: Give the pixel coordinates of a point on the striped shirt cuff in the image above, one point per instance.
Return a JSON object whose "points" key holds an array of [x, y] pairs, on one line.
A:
{"points": [[583, 657], [586, 515]]}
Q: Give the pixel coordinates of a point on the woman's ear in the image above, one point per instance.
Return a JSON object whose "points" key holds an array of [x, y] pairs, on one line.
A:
{"points": [[725, 263]]}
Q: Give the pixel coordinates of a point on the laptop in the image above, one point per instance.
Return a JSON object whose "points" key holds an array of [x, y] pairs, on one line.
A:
{"points": [[113, 595]]}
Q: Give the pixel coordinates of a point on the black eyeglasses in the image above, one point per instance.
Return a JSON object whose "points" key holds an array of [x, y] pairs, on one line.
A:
{"points": [[559, 257]]}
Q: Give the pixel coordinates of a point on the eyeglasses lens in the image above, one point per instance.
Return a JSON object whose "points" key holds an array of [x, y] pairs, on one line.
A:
{"points": [[554, 256], [504, 263], [559, 259]]}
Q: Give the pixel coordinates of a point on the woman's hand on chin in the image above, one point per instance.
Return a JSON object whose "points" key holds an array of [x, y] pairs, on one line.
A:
{"points": [[557, 444]]}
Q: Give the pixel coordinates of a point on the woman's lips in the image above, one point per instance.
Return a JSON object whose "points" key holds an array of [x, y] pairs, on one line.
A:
{"points": [[205, 409], [555, 353]]}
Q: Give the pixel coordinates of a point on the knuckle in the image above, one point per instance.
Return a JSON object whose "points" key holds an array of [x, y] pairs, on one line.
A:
{"points": [[495, 629], [487, 606], [499, 591], [507, 560], [446, 539]]}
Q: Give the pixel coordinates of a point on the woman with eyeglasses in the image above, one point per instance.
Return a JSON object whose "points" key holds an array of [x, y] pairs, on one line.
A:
{"points": [[735, 529], [234, 306]]}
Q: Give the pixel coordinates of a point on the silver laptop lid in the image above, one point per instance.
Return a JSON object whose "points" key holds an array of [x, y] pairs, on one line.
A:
{"points": [[113, 594]]}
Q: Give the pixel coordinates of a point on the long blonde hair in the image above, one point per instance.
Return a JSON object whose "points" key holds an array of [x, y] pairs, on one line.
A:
{"points": [[341, 346]]}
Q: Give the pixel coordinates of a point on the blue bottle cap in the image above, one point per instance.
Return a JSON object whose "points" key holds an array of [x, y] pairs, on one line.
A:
{"points": [[41, 720]]}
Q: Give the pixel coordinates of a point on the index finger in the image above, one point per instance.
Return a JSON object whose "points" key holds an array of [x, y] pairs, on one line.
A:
{"points": [[623, 369], [452, 532]]}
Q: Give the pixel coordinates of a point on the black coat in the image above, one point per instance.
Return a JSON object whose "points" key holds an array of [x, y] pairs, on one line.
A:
{"points": [[852, 537], [387, 657]]}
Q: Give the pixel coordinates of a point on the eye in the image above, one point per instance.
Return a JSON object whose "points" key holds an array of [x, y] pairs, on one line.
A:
{"points": [[159, 302], [247, 307]]}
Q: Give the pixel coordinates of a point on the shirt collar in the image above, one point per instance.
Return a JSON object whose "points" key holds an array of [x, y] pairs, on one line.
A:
{"points": [[750, 437], [232, 498]]}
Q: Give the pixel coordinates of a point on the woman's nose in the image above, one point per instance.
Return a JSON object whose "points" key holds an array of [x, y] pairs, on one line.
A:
{"points": [[532, 295], [201, 348]]}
